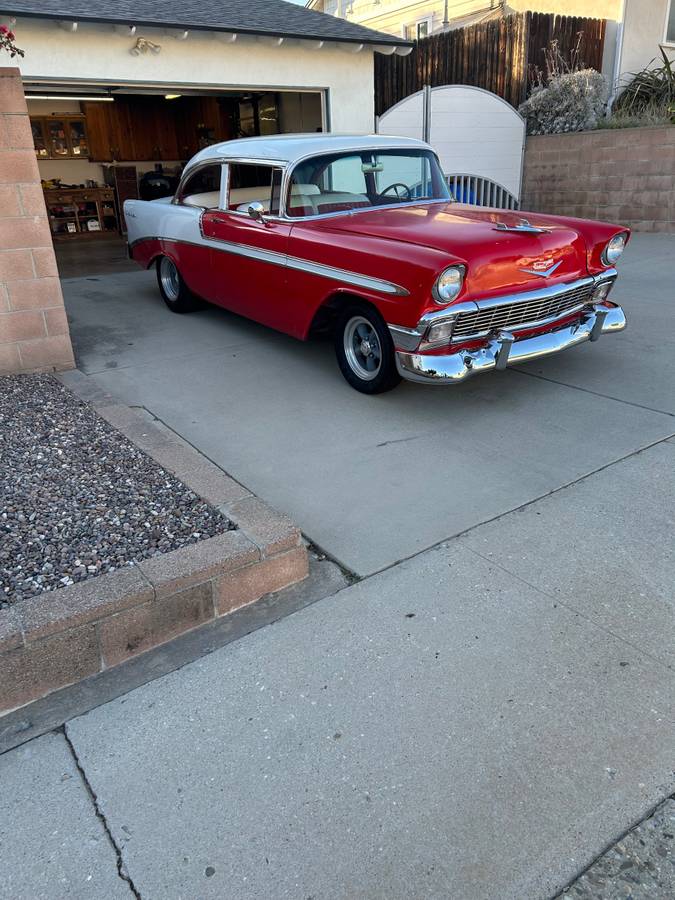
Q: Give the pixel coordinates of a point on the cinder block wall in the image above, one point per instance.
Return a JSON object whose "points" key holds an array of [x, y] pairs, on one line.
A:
{"points": [[34, 333], [625, 175]]}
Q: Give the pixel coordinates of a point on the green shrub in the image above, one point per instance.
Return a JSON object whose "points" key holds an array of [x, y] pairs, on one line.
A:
{"points": [[650, 92]]}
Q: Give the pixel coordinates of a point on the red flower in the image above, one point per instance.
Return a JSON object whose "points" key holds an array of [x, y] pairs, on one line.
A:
{"points": [[4, 29], [11, 35]]}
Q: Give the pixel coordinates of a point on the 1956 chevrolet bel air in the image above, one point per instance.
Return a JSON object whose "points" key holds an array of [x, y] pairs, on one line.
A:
{"points": [[360, 236]]}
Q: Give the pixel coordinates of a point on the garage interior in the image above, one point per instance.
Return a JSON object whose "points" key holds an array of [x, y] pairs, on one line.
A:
{"points": [[99, 146]]}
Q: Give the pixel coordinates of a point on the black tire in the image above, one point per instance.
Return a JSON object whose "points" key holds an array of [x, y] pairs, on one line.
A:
{"points": [[173, 289], [365, 350]]}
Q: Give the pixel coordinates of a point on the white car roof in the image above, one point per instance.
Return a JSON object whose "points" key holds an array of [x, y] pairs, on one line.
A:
{"points": [[289, 147]]}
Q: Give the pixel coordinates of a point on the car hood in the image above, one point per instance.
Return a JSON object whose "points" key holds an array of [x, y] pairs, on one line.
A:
{"points": [[495, 258]]}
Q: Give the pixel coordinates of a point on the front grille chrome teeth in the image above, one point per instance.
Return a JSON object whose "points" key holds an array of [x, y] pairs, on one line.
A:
{"points": [[521, 312]]}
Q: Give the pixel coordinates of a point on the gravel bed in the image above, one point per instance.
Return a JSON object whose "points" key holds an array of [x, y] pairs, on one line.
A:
{"points": [[77, 499]]}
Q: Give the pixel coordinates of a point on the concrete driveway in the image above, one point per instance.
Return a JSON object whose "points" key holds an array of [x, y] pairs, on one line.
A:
{"points": [[376, 480]]}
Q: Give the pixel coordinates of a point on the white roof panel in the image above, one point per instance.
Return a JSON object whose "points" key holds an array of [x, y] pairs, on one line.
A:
{"points": [[289, 147]]}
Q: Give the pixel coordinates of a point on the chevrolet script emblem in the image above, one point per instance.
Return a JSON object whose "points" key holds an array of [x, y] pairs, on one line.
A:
{"points": [[543, 267]]}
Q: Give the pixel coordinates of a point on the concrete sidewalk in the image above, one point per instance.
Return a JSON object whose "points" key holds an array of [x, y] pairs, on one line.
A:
{"points": [[470, 724]]}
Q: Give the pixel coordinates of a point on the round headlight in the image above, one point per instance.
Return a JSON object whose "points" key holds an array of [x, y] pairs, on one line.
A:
{"points": [[449, 284], [614, 249]]}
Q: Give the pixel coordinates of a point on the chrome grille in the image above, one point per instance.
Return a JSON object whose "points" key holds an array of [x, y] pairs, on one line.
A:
{"points": [[510, 315]]}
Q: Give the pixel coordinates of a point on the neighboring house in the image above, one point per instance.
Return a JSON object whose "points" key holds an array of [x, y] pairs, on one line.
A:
{"points": [[636, 29], [417, 19], [410, 20]]}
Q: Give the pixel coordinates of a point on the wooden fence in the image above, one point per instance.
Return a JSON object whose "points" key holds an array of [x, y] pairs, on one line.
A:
{"points": [[499, 55]]}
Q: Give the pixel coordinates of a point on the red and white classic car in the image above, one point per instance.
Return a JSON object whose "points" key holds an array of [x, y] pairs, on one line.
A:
{"points": [[360, 236]]}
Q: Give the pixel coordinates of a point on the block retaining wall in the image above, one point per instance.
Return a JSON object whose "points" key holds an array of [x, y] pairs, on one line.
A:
{"points": [[62, 637], [624, 176]]}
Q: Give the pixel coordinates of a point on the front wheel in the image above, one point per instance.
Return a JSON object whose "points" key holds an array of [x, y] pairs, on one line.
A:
{"points": [[365, 351], [173, 289]]}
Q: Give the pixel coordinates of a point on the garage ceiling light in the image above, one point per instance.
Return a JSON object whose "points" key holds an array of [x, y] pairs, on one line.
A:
{"points": [[68, 97]]}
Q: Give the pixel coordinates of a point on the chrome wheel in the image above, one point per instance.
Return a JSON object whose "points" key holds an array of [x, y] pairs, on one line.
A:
{"points": [[168, 274], [363, 350]]}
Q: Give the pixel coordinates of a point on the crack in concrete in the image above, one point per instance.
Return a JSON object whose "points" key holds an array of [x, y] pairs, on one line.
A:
{"points": [[121, 868], [577, 387], [651, 812], [507, 512]]}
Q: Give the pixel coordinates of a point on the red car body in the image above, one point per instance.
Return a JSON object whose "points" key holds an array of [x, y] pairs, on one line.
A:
{"points": [[293, 273]]}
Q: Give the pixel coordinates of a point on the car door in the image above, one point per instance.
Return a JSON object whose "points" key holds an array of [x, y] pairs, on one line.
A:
{"points": [[248, 256], [183, 242]]}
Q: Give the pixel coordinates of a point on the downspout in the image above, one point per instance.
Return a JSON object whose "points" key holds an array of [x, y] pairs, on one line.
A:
{"points": [[446, 20], [618, 51]]}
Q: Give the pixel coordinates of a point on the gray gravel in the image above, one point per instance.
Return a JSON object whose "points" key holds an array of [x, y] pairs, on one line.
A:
{"points": [[77, 499], [641, 866]]}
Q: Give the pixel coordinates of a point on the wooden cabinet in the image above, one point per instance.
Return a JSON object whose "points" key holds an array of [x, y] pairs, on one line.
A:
{"points": [[81, 212], [60, 137], [145, 129]]}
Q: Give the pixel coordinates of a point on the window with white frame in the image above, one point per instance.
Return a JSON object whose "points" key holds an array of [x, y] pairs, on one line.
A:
{"points": [[419, 30], [669, 37]]}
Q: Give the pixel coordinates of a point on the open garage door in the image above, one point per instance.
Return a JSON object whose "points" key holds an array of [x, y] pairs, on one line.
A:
{"points": [[99, 145]]}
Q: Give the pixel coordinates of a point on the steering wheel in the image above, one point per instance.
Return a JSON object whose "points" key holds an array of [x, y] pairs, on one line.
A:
{"points": [[394, 187]]}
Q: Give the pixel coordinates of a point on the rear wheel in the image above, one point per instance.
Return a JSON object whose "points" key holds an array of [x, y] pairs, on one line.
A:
{"points": [[365, 351], [173, 289]]}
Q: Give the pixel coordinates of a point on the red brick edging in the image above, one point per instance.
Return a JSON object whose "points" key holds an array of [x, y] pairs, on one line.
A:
{"points": [[60, 638]]}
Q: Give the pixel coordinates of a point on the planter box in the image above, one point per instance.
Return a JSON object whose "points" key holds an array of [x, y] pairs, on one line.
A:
{"points": [[61, 637]]}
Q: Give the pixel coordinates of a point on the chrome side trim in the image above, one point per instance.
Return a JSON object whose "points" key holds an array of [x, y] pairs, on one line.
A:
{"points": [[355, 279], [502, 351]]}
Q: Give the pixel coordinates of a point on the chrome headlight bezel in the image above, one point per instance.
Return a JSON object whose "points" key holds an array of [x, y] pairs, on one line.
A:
{"points": [[610, 254], [449, 284]]}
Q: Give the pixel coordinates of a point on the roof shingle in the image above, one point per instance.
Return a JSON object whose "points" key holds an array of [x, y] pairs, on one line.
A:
{"points": [[271, 17]]}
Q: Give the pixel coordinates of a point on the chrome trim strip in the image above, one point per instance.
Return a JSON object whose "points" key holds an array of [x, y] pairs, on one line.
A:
{"points": [[544, 293], [456, 367], [291, 262], [353, 278]]}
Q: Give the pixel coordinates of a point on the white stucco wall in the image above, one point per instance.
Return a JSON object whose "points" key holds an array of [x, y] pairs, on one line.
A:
{"points": [[97, 53], [644, 31]]}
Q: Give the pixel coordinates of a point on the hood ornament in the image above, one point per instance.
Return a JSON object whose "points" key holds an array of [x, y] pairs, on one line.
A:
{"points": [[522, 226], [542, 267]]}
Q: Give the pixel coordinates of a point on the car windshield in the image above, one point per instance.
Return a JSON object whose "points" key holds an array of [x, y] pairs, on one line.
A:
{"points": [[364, 179]]}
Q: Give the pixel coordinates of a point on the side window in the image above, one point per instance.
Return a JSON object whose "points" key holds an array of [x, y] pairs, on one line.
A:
{"points": [[203, 188], [251, 183]]}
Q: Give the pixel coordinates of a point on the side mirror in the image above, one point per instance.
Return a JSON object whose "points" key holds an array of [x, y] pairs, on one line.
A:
{"points": [[257, 212]]}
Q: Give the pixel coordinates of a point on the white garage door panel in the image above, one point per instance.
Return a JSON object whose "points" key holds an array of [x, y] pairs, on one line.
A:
{"points": [[473, 131]]}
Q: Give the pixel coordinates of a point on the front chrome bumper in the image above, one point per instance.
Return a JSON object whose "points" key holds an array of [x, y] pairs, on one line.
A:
{"points": [[503, 349]]}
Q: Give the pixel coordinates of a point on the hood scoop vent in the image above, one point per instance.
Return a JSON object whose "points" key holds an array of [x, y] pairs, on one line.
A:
{"points": [[522, 226]]}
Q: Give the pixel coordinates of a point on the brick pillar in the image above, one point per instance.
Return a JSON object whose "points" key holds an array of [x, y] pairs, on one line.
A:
{"points": [[34, 333]]}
